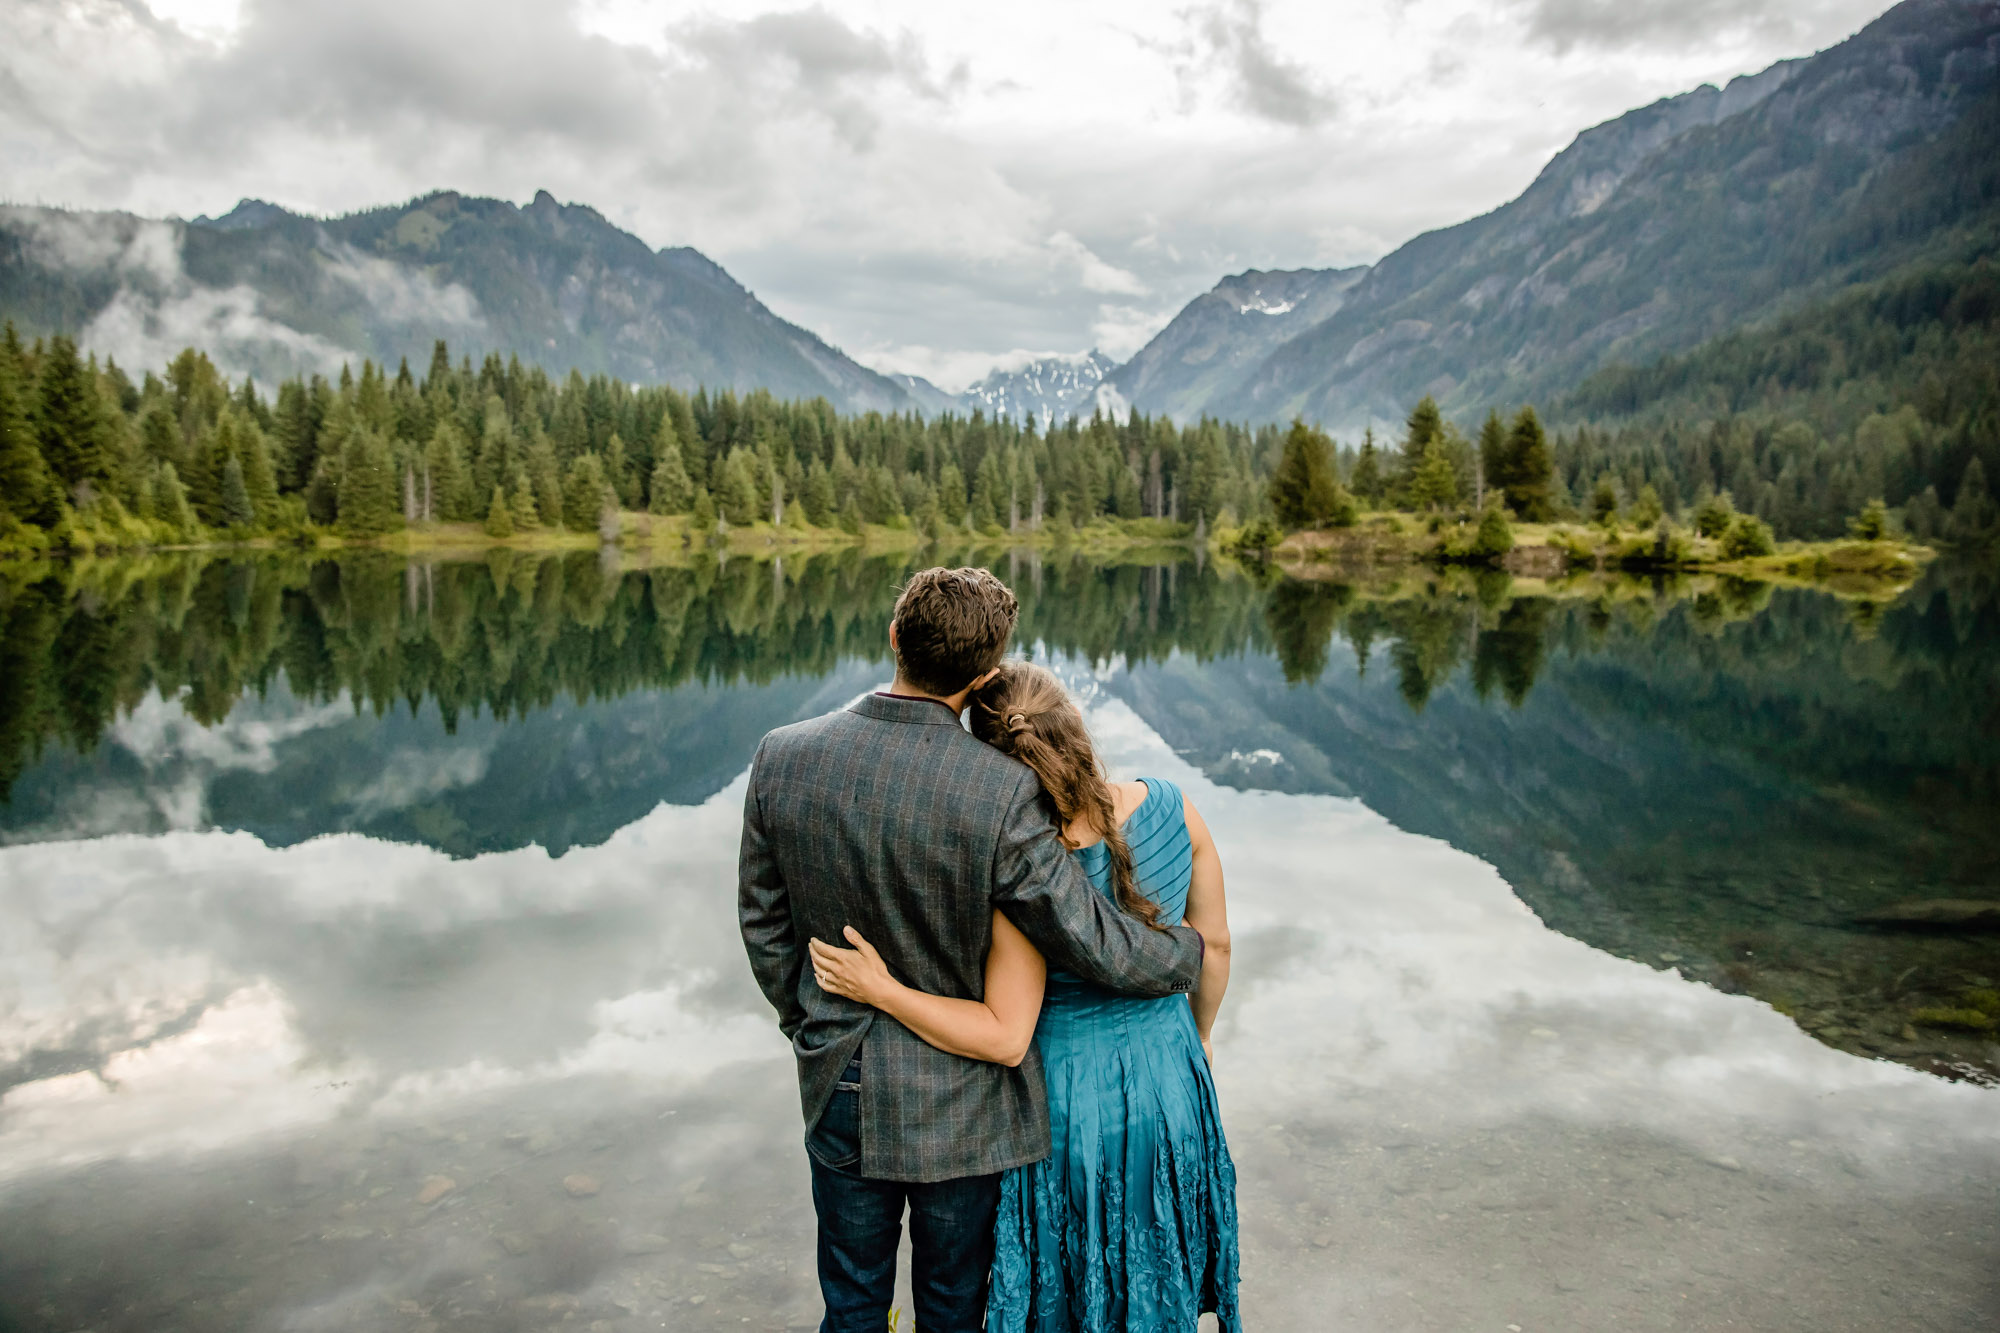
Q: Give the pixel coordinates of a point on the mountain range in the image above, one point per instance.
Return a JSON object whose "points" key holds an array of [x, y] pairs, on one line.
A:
{"points": [[1649, 234], [274, 293], [1700, 215]]}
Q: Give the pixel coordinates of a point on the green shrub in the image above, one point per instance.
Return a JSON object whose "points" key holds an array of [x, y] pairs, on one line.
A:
{"points": [[1872, 523], [1747, 536]]}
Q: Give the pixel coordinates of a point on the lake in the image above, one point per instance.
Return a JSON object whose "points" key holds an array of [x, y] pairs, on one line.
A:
{"points": [[368, 954]]}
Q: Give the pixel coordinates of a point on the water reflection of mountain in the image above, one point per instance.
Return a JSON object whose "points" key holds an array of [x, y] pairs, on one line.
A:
{"points": [[1682, 784]]}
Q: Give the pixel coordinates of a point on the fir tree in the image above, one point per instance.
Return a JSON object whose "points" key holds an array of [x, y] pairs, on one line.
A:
{"points": [[1713, 513], [170, 502], [1604, 500], [1972, 520], [1433, 484], [1424, 427], [737, 496], [368, 501], [499, 515], [27, 491], [1528, 468], [448, 475], [850, 516], [237, 511], [583, 493], [68, 420], [701, 516], [521, 501], [1304, 491], [1493, 455], [259, 480], [670, 490], [819, 499], [1368, 484]]}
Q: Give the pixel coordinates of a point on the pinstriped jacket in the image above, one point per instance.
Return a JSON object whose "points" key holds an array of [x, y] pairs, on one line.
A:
{"points": [[892, 818]]}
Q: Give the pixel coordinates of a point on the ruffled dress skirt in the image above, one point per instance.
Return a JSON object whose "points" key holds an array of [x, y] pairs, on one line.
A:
{"points": [[1129, 1225]]}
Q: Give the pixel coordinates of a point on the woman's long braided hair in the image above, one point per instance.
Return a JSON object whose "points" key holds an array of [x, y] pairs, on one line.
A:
{"points": [[1024, 711]]}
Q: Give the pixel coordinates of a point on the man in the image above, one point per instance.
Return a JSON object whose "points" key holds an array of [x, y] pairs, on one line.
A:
{"points": [[891, 818]]}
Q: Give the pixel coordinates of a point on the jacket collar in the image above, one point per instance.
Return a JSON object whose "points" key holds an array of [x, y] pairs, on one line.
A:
{"points": [[898, 708]]}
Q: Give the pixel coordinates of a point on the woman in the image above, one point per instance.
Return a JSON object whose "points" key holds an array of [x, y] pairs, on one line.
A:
{"points": [[1130, 1223]]}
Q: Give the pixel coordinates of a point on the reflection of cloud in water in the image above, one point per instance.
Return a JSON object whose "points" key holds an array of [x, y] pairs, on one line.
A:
{"points": [[411, 775], [1380, 977], [348, 972], [181, 758]]}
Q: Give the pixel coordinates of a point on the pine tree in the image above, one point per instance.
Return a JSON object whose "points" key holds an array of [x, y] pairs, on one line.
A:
{"points": [[1713, 513], [1529, 467], [170, 502], [1494, 456], [1972, 518], [499, 516], [1604, 500], [237, 511], [521, 501], [68, 420], [1424, 428], [27, 491], [583, 493], [737, 498], [448, 475], [701, 517], [368, 500], [618, 472], [850, 516], [1646, 508], [1368, 484], [1304, 492], [951, 494], [546, 478], [1433, 484], [819, 498], [670, 490], [259, 480]]}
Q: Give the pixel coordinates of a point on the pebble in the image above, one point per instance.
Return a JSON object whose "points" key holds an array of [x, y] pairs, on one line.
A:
{"points": [[435, 1188], [1726, 1163], [581, 1186], [515, 1243], [1670, 958]]}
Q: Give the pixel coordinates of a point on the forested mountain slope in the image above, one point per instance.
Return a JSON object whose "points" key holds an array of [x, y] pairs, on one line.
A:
{"points": [[271, 292], [1667, 226]]}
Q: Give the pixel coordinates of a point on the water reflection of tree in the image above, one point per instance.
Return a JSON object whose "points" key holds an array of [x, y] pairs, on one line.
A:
{"points": [[83, 642]]}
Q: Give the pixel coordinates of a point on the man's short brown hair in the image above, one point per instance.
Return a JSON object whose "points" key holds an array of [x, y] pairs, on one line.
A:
{"points": [[952, 626]]}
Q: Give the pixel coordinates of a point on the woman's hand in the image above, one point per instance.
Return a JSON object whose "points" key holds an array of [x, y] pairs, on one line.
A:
{"points": [[858, 973]]}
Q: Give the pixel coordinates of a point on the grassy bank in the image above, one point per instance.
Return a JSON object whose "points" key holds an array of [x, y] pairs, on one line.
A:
{"points": [[1558, 551]]}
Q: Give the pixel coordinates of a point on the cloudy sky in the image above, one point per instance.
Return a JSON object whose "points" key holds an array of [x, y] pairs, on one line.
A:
{"points": [[934, 187]]}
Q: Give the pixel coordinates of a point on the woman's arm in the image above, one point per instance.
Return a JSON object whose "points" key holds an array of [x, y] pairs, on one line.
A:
{"points": [[1207, 912], [997, 1029]]}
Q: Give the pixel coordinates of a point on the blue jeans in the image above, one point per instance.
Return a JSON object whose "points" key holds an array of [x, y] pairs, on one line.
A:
{"points": [[861, 1223]]}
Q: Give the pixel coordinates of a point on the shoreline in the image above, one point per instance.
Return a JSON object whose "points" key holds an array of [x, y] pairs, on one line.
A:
{"points": [[1380, 542]]}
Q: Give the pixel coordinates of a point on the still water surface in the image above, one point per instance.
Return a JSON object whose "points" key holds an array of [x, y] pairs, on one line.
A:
{"points": [[368, 957]]}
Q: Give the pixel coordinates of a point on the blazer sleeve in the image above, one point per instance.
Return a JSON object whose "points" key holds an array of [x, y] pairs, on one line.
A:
{"points": [[764, 911], [1043, 892]]}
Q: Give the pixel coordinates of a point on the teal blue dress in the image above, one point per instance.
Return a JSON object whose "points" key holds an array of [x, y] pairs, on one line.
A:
{"points": [[1129, 1224]]}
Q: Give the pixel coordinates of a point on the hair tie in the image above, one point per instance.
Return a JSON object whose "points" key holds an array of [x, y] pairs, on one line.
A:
{"points": [[1017, 721]]}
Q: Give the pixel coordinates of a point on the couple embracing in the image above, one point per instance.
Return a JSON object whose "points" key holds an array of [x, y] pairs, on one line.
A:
{"points": [[998, 972]]}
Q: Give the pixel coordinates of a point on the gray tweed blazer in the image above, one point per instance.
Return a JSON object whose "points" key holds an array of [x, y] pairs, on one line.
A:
{"points": [[891, 818]]}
